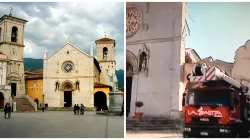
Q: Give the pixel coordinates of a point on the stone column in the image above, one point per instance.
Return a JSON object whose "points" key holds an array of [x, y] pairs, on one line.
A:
{"points": [[115, 101]]}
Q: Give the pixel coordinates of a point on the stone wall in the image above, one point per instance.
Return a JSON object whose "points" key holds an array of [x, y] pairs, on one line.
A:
{"points": [[160, 35]]}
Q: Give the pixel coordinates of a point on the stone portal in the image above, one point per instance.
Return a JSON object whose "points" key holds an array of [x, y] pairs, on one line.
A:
{"points": [[67, 98]]}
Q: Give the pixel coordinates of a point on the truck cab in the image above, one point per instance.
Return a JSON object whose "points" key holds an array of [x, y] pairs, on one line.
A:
{"points": [[211, 112], [217, 106]]}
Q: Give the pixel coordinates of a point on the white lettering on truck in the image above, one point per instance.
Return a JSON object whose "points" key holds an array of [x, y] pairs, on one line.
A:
{"points": [[201, 112]]}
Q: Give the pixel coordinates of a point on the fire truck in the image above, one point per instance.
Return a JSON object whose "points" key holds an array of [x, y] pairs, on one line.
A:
{"points": [[216, 105]]}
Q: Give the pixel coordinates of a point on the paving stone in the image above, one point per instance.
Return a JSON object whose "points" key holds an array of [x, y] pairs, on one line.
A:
{"points": [[60, 124]]}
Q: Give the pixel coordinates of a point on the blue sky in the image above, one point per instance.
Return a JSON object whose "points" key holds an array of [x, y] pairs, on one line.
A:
{"points": [[218, 29]]}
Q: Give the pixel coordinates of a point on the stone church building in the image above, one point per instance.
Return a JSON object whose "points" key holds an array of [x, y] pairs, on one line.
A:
{"points": [[155, 55], [71, 76], [12, 83]]}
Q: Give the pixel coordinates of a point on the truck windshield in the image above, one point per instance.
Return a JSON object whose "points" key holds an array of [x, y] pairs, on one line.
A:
{"points": [[209, 97]]}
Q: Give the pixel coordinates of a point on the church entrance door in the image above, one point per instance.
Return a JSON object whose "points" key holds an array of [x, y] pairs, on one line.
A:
{"points": [[1, 100], [100, 101], [13, 89], [67, 98], [128, 94]]}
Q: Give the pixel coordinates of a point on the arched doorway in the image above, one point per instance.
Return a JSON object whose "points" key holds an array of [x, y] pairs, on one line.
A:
{"points": [[132, 69], [68, 94], [37, 101], [100, 101], [1, 100], [67, 88]]}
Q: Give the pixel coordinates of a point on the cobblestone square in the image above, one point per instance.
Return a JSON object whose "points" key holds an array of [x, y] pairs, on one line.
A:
{"points": [[153, 134], [60, 124]]}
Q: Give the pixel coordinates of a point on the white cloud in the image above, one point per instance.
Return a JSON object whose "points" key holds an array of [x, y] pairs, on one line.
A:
{"points": [[49, 24]]}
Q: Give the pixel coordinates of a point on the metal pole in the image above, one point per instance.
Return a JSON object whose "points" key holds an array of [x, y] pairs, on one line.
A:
{"points": [[43, 100], [106, 128]]}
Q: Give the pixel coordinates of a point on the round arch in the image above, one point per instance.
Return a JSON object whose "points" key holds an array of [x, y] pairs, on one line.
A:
{"points": [[1, 100], [67, 86], [131, 63], [100, 101], [37, 101]]}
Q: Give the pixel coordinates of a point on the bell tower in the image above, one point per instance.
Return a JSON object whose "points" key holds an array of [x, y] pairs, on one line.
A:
{"points": [[106, 58], [12, 45]]}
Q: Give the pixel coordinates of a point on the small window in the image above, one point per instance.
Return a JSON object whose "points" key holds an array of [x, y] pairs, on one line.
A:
{"points": [[67, 52], [35, 86], [14, 34], [105, 53]]}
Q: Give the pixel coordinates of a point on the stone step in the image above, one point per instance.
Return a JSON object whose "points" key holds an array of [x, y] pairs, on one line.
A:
{"points": [[66, 109], [23, 105], [154, 128], [151, 125]]}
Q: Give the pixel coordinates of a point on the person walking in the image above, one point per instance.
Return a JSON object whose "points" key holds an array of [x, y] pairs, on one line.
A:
{"points": [[82, 109], [5, 110], [122, 111], [9, 110], [75, 109]]}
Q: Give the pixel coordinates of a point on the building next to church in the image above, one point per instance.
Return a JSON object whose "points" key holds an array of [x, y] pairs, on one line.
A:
{"points": [[12, 83], [155, 55], [71, 76], [34, 86]]}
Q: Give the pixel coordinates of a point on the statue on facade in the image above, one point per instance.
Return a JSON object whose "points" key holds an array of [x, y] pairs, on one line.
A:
{"points": [[57, 85], [77, 85], [144, 60]]}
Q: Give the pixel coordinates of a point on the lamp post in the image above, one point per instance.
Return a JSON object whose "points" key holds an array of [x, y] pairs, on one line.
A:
{"points": [[43, 104]]}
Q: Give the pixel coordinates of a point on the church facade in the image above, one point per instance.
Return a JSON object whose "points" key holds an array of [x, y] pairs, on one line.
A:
{"points": [[71, 76], [155, 55]]}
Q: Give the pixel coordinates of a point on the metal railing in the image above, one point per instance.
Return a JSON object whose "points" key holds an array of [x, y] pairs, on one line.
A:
{"points": [[31, 102]]}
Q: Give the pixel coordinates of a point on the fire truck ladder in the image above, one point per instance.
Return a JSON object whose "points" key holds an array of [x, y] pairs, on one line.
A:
{"points": [[203, 73]]}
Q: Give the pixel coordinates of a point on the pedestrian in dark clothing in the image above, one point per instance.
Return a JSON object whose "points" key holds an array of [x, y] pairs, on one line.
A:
{"points": [[5, 110], [122, 111], [82, 109], [75, 109], [9, 110], [43, 108]]}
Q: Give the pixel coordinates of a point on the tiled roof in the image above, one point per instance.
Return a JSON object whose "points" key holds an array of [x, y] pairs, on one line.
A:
{"points": [[101, 85], [34, 74], [105, 39]]}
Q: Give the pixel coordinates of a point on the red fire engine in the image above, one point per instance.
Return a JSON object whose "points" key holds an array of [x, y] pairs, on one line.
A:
{"points": [[216, 106]]}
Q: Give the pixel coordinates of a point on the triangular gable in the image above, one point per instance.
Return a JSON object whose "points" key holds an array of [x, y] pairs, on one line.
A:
{"points": [[65, 46]]}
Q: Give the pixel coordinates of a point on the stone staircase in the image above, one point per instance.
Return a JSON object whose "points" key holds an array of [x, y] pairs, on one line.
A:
{"points": [[23, 105], [153, 124], [67, 109]]}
